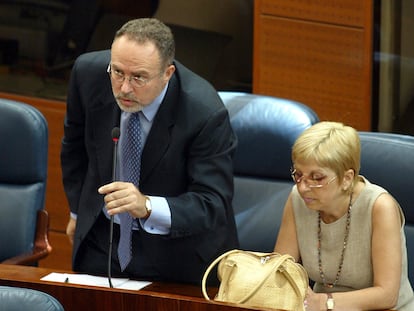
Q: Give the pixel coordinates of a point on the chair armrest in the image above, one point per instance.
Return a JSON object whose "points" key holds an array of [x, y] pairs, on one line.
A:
{"points": [[41, 248]]}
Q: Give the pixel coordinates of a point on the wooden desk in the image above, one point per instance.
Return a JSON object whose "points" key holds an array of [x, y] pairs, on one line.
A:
{"points": [[157, 296]]}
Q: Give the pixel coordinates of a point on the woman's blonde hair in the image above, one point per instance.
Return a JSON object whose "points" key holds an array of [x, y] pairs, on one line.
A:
{"points": [[330, 144]]}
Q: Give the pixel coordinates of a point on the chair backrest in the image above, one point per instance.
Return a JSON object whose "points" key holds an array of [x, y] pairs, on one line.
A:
{"points": [[387, 159], [17, 299], [23, 173], [266, 128]]}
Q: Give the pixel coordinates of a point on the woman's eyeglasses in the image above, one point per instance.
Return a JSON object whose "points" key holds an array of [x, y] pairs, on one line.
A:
{"points": [[311, 182]]}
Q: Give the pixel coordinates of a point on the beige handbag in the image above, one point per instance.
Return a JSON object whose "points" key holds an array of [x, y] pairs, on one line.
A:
{"points": [[256, 279]]}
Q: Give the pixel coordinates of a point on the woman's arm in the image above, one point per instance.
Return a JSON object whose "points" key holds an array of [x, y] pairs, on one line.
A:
{"points": [[286, 242]]}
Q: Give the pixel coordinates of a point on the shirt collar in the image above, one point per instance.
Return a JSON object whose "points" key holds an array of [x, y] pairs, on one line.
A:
{"points": [[150, 111]]}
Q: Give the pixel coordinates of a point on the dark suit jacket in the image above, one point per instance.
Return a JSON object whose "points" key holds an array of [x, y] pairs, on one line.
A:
{"points": [[187, 159]]}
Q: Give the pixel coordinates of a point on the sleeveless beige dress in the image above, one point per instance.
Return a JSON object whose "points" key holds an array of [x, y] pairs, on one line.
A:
{"points": [[357, 270]]}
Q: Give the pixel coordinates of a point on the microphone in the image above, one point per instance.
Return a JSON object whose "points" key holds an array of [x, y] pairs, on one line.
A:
{"points": [[115, 137]]}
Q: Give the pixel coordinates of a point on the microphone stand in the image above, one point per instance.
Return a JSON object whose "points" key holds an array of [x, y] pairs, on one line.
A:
{"points": [[111, 233], [115, 138]]}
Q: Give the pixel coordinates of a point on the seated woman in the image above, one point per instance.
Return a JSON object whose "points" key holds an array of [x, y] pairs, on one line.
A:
{"points": [[347, 232]]}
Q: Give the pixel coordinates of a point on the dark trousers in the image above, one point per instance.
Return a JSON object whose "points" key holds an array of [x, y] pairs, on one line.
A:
{"points": [[93, 256]]}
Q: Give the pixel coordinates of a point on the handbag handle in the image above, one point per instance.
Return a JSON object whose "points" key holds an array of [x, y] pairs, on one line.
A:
{"points": [[276, 266], [210, 267]]}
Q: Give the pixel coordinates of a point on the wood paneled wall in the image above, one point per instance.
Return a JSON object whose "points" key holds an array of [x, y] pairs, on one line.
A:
{"points": [[318, 53]]}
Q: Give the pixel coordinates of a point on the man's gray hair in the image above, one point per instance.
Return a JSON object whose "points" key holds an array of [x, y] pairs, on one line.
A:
{"points": [[143, 30]]}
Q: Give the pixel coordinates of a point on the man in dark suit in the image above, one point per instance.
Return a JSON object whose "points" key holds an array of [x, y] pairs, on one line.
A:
{"points": [[181, 206]]}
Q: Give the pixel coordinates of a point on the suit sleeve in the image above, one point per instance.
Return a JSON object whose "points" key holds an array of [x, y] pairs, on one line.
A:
{"points": [[74, 160], [207, 203]]}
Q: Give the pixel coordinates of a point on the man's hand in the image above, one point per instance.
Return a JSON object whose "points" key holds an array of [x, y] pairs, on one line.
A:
{"points": [[121, 197], [70, 229]]}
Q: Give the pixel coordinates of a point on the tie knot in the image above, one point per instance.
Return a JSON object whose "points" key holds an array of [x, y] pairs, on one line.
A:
{"points": [[134, 117], [134, 123]]}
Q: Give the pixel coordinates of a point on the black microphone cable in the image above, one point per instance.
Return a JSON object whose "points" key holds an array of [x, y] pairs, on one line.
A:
{"points": [[115, 137]]}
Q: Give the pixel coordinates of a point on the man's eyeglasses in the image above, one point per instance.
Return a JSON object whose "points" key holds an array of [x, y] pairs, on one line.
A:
{"points": [[136, 81], [311, 182]]}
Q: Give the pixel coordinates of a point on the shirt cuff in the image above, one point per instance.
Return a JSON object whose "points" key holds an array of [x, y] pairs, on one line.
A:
{"points": [[159, 222]]}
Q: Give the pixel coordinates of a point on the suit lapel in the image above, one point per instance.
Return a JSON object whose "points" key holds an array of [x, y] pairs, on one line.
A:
{"points": [[159, 138], [105, 118]]}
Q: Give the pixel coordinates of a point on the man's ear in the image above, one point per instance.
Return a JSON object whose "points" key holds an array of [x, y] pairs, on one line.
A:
{"points": [[169, 72]]}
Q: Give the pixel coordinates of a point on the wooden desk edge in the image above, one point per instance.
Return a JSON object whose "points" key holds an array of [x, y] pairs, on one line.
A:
{"points": [[30, 277]]}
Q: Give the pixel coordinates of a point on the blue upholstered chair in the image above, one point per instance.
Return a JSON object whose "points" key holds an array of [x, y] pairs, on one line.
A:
{"points": [[18, 299], [388, 160], [266, 128], [23, 173]]}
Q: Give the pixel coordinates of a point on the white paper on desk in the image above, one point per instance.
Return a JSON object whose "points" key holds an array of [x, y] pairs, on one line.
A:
{"points": [[85, 279]]}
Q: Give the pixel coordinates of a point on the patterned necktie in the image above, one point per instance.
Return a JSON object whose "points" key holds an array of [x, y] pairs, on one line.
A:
{"points": [[131, 148]]}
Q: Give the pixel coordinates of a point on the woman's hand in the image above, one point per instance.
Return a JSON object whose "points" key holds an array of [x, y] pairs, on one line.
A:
{"points": [[315, 301]]}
